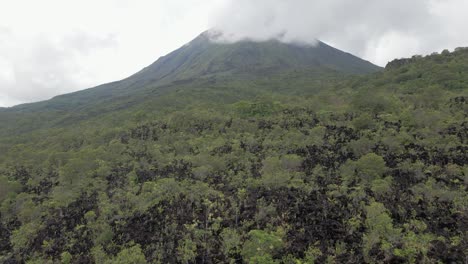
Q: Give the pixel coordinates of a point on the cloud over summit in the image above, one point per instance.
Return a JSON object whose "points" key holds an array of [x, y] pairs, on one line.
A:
{"points": [[376, 30]]}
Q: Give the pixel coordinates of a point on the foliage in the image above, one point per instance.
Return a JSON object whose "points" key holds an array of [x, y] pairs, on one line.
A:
{"points": [[288, 168]]}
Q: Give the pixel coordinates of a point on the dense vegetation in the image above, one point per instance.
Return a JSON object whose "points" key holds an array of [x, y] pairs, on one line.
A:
{"points": [[370, 169]]}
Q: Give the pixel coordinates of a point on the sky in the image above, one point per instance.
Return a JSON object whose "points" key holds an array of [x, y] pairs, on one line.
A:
{"points": [[52, 47]]}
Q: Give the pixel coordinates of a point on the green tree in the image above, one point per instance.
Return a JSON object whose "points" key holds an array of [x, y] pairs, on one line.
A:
{"points": [[187, 250], [261, 245], [231, 241], [8, 187], [380, 230], [66, 257], [130, 255], [370, 167]]}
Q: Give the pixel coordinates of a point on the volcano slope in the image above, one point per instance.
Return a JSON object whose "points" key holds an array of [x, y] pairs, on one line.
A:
{"points": [[265, 165]]}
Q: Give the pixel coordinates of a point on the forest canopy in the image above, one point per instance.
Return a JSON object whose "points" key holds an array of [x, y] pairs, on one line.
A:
{"points": [[356, 169]]}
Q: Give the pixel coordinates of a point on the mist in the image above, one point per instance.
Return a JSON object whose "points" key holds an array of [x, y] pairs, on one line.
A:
{"points": [[378, 31]]}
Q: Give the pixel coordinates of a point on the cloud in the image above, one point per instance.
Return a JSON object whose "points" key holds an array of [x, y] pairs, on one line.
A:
{"points": [[52, 47], [376, 30], [40, 67]]}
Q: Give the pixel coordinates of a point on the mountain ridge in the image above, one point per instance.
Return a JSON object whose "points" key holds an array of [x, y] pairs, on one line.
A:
{"points": [[204, 58]]}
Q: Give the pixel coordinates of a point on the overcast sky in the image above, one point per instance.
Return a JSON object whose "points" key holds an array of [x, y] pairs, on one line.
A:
{"points": [[51, 47]]}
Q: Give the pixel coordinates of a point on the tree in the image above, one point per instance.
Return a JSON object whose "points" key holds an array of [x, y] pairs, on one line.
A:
{"points": [[187, 250], [370, 167], [130, 255], [380, 230], [66, 257], [273, 173], [8, 187], [277, 172], [231, 241], [261, 245]]}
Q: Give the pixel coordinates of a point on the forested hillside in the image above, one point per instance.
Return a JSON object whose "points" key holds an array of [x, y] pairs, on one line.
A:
{"points": [[284, 169], [204, 71]]}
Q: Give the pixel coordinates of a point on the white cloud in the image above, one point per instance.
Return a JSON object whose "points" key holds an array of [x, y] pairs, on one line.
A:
{"points": [[51, 47], [376, 30], [39, 67]]}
